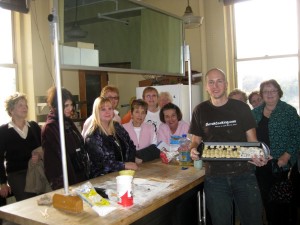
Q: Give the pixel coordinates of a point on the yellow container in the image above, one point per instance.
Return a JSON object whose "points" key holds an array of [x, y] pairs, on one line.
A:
{"points": [[127, 172]]}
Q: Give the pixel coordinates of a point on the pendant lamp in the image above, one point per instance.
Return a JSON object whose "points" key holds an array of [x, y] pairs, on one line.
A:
{"points": [[191, 21], [75, 31]]}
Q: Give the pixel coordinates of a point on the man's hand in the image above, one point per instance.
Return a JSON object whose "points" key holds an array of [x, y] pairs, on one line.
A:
{"points": [[194, 154], [5, 190]]}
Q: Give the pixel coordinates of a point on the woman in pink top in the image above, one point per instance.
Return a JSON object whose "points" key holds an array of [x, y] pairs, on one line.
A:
{"points": [[172, 123], [142, 134]]}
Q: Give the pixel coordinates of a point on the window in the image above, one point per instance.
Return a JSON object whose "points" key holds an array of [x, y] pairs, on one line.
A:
{"points": [[7, 66], [267, 45]]}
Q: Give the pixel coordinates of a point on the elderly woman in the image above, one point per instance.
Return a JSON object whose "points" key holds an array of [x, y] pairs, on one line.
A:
{"points": [[18, 139], [278, 126], [76, 156], [172, 123], [107, 142], [164, 98]]}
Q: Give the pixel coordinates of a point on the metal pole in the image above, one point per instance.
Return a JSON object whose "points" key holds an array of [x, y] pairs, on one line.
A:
{"points": [[53, 19], [199, 208], [187, 59]]}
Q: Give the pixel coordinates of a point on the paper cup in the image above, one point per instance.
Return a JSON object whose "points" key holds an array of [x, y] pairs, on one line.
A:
{"points": [[124, 190]]}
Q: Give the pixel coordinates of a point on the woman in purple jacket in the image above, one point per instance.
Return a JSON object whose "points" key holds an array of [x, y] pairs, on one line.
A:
{"points": [[77, 159], [142, 134], [107, 142]]}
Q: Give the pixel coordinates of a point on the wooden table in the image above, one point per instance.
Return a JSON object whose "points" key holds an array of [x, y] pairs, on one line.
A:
{"points": [[28, 212]]}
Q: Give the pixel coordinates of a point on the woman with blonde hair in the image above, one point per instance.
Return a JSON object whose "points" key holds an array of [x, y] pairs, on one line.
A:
{"points": [[112, 93], [107, 142]]}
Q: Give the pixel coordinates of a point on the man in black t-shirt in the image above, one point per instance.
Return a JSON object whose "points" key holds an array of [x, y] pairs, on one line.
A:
{"points": [[227, 120]]}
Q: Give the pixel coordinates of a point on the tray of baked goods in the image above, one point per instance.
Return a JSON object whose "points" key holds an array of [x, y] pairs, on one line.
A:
{"points": [[232, 151]]}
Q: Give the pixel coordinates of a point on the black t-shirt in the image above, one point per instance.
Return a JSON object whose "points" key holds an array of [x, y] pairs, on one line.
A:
{"points": [[227, 123], [262, 131]]}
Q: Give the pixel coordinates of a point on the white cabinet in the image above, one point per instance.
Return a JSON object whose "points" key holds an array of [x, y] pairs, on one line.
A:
{"points": [[180, 94]]}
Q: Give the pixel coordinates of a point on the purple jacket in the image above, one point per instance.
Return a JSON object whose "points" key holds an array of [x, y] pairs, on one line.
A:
{"points": [[52, 151], [105, 153], [146, 136]]}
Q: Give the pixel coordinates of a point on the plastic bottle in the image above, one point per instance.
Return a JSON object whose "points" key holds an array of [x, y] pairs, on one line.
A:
{"points": [[184, 151]]}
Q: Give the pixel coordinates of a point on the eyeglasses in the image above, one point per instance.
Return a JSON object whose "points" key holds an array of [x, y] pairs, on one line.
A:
{"points": [[272, 92], [114, 98]]}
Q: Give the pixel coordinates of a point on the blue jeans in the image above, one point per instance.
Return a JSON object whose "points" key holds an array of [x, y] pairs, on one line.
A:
{"points": [[221, 191]]}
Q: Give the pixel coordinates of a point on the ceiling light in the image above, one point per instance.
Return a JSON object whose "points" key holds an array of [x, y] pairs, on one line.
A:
{"points": [[191, 21], [76, 31]]}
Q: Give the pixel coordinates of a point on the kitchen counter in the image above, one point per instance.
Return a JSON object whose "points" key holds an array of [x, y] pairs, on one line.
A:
{"points": [[181, 182]]}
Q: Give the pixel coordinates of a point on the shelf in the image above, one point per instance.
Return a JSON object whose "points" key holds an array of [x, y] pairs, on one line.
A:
{"points": [[118, 70]]}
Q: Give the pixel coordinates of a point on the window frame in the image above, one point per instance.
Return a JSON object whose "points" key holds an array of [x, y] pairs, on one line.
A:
{"points": [[231, 15], [12, 65]]}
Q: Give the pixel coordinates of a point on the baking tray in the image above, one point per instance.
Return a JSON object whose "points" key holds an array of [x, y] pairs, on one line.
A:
{"points": [[232, 151]]}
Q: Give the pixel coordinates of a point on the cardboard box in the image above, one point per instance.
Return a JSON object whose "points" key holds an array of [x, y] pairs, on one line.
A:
{"points": [[89, 57], [78, 56], [69, 55], [78, 44]]}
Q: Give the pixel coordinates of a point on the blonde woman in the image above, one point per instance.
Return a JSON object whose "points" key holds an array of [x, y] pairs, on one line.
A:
{"points": [[112, 93], [107, 142]]}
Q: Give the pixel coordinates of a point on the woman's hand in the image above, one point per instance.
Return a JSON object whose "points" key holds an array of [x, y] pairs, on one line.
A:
{"points": [[138, 160], [4, 190], [35, 158], [194, 154], [283, 159], [131, 166], [260, 161]]}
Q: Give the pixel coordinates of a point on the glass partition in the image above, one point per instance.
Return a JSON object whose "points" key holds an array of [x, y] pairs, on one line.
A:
{"points": [[128, 35]]}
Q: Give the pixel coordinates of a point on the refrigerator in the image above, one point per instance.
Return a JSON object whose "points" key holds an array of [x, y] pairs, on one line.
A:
{"points": [[180, 95]]}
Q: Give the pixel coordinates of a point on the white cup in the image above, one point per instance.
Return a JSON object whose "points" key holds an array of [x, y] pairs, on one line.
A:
{"points": [[124, 190], [198, 164]]}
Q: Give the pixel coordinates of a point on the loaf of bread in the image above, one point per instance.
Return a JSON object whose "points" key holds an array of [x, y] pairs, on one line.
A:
{"points": [[67, 203]]}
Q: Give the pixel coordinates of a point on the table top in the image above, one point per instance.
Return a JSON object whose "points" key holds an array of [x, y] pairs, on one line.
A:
{"points": [[181, 181]]}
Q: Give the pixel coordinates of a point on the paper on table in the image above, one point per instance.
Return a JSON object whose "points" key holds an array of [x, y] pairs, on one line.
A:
{"points": [[144, 190]]}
